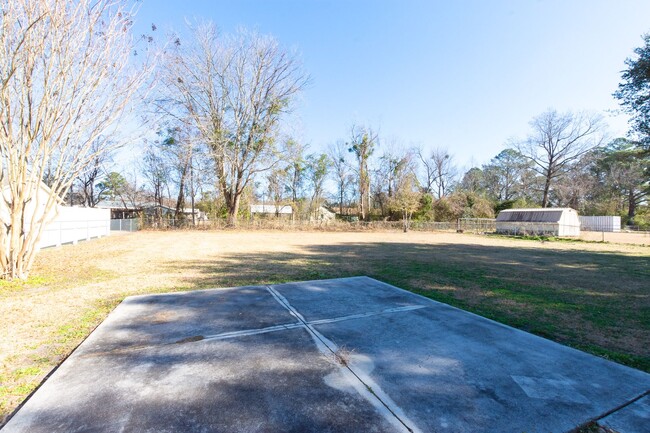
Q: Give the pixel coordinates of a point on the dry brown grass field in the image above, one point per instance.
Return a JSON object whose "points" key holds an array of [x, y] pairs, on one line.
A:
{"points": [[593, 296]]}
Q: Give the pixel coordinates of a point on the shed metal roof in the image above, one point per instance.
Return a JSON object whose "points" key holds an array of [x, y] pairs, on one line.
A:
{"points": [[545, 215]]}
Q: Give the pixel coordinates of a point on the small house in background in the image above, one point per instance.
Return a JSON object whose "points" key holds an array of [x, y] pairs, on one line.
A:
{"points": [[271, 210], [322, 214], [600, 223], [563, 222], [120, 209]]}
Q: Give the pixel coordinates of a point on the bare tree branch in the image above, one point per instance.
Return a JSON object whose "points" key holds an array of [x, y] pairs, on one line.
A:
{"points": [[557, 140], [235, 90]]}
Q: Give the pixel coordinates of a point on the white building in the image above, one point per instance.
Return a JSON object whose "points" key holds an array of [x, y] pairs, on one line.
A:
{"points": [[544, 221], [323, 214], [271, 209]]}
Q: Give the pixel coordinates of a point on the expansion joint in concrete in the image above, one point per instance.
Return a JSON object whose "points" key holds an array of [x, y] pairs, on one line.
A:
{"points": [[622, 406], [368, 389]]}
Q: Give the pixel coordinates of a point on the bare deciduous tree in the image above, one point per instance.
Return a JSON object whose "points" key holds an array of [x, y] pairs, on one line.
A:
{"points": [[317, 169], [439, 171], [557, 140], [235, 90], [275, 188], [363, 141], [65, 77], [428, 169], [158, 172], [179, 150], [406, 197], [91, 189], [393, 166], [294, 173], [341, 170]]}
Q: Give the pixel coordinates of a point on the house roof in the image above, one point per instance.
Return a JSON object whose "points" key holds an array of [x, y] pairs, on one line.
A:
{"points": [[116, 204]]}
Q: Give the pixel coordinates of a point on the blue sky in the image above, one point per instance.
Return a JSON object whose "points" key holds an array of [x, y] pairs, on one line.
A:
{"points": [[463, 75]]}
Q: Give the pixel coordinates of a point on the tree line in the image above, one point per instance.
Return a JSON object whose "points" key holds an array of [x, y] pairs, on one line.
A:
{"points": [[72, 72], [565, 161]]}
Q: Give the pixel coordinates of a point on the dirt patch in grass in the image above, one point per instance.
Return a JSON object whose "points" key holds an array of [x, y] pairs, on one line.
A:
{"points": [[593, 296]]}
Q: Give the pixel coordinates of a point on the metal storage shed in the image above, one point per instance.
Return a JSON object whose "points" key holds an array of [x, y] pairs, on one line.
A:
{"points": [[545, 221]]}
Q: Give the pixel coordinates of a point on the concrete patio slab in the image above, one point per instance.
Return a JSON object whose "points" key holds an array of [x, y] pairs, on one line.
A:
{"points": [[340, 355], [634, 418], [253, 383], [169, 318]]}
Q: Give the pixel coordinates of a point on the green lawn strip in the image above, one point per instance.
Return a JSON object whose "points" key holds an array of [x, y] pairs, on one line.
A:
{"points": [[8, 288], [548, 304], [17, 384], [547, 328], [539, 303], [87, 275], [56, 281]]}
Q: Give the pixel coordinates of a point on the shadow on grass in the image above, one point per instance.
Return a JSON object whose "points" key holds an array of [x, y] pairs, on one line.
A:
{"points": [[595, 301]]}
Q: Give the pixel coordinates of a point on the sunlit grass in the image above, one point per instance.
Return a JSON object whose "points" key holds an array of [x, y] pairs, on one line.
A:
{"points": [[587, 295]]}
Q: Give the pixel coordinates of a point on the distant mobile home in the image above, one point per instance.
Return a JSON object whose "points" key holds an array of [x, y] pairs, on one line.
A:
{"points": [[271, 209], [546, 221]]}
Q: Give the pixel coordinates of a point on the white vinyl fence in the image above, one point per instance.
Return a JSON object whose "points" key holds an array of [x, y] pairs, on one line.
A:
{"points": [[73, 224], [601, 223]]}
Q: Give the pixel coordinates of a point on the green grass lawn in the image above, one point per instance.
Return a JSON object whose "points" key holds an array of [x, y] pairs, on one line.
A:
{"points": [[594, 301], [595, 297]]}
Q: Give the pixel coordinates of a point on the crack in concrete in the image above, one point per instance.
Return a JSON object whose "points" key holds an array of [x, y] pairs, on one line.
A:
{"points": [[359, 379]]}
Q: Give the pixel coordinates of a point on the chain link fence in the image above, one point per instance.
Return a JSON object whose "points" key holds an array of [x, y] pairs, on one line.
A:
{"points": [[269, 224], [473, 225], [126, 225], [538, 229]]}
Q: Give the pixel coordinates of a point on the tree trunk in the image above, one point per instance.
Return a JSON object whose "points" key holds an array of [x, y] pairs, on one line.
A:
{"points": [[547, 187], [180, 201], [631, 206], [233, 210], [192, 193]]}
